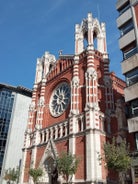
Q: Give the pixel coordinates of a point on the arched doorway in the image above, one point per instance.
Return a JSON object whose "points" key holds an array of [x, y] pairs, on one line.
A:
{"points": [[50, 166], [48, 163]]}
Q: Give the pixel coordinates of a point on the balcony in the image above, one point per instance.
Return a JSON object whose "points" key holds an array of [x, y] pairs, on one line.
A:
{"points": [[127, 39], [133, 124], [130, 53], [132, 80], [130, 63], [131, 92], [120, 3], [125, 17]]}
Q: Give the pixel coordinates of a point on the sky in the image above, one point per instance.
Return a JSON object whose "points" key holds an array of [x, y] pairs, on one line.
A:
{"points": [[29, 28]]}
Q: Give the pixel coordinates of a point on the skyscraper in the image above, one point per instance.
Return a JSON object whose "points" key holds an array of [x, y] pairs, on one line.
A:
{"points": [[14, 104]]}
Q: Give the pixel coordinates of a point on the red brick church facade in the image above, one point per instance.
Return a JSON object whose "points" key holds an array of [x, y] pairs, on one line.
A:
{"points": [[76, 106]]}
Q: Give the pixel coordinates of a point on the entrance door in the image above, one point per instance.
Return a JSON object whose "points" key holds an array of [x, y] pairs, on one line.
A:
{"points": [[50, 166]]}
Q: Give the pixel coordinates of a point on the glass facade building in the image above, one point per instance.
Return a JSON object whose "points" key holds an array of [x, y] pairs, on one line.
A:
{"points": [[14, 105], [6, 105]]}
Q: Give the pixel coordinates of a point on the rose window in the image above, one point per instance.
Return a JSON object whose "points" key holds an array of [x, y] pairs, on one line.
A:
{"points": [[60, 99]]}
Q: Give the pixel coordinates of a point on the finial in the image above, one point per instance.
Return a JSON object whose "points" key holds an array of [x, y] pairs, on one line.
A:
{"points": [[89, 16], [60, 52]]}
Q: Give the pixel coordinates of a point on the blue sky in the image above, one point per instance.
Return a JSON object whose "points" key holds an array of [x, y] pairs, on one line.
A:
{"points": [[28, 28]]}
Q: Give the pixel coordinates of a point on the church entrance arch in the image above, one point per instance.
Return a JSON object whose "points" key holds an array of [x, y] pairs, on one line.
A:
{"points": [[50, 165]]}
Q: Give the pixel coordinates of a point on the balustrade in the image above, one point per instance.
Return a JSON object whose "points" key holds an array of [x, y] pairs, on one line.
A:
{"points": [[54, 132]]}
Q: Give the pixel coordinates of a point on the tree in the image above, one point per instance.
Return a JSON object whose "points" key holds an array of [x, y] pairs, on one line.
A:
{"points": [[11, 175], [35, 173], [117, 158], [67, 165]]}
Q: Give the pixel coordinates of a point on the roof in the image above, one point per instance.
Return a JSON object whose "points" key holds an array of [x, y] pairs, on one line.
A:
{"points": [[18, 89]]}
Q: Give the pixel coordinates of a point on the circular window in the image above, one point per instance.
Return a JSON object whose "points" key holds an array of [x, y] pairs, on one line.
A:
{"points": [[59, 99]]}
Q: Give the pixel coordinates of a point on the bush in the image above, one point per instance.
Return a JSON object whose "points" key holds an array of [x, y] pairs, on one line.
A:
{"points": [[35, 173]]}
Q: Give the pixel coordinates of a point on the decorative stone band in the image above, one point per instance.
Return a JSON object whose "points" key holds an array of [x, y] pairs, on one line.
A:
{"points": [[57, 131]]}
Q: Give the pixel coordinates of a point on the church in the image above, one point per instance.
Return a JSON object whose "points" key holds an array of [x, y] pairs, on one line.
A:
{"points": [[77, 104]]}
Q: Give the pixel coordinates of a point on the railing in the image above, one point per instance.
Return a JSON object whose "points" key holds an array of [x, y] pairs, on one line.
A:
{"points": [[124, 30], [132, 80], [55, 132], [124, 9], [130, 53]]}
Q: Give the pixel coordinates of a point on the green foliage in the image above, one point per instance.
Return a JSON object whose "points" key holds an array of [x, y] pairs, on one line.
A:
{"points": [[36, 173], [117, 156], [11, 175], [67, 164]]}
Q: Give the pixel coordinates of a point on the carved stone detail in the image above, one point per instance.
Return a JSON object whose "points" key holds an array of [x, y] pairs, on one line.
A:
{"points": [[89, 29], [49, 61], [41, 101], [44, 65], [91, 73], [75, 81], [32, 106]]}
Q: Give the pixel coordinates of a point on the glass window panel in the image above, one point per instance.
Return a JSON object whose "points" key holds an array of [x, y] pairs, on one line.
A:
{"points": [[132, 77], [136, 139], [127, 27]]}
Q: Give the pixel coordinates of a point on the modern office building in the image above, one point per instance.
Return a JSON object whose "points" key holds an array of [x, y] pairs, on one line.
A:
{"points": [[76, 106], [127, 23], [14, 105]]}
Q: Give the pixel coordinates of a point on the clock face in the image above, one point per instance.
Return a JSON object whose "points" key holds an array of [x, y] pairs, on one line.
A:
{"points": [[60, 99]]}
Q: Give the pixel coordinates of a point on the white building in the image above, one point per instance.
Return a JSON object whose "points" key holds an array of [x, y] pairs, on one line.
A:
{"points": [[14, 105]]}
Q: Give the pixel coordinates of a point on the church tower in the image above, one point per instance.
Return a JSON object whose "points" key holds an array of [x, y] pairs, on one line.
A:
{"points": [[73, 107]]}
